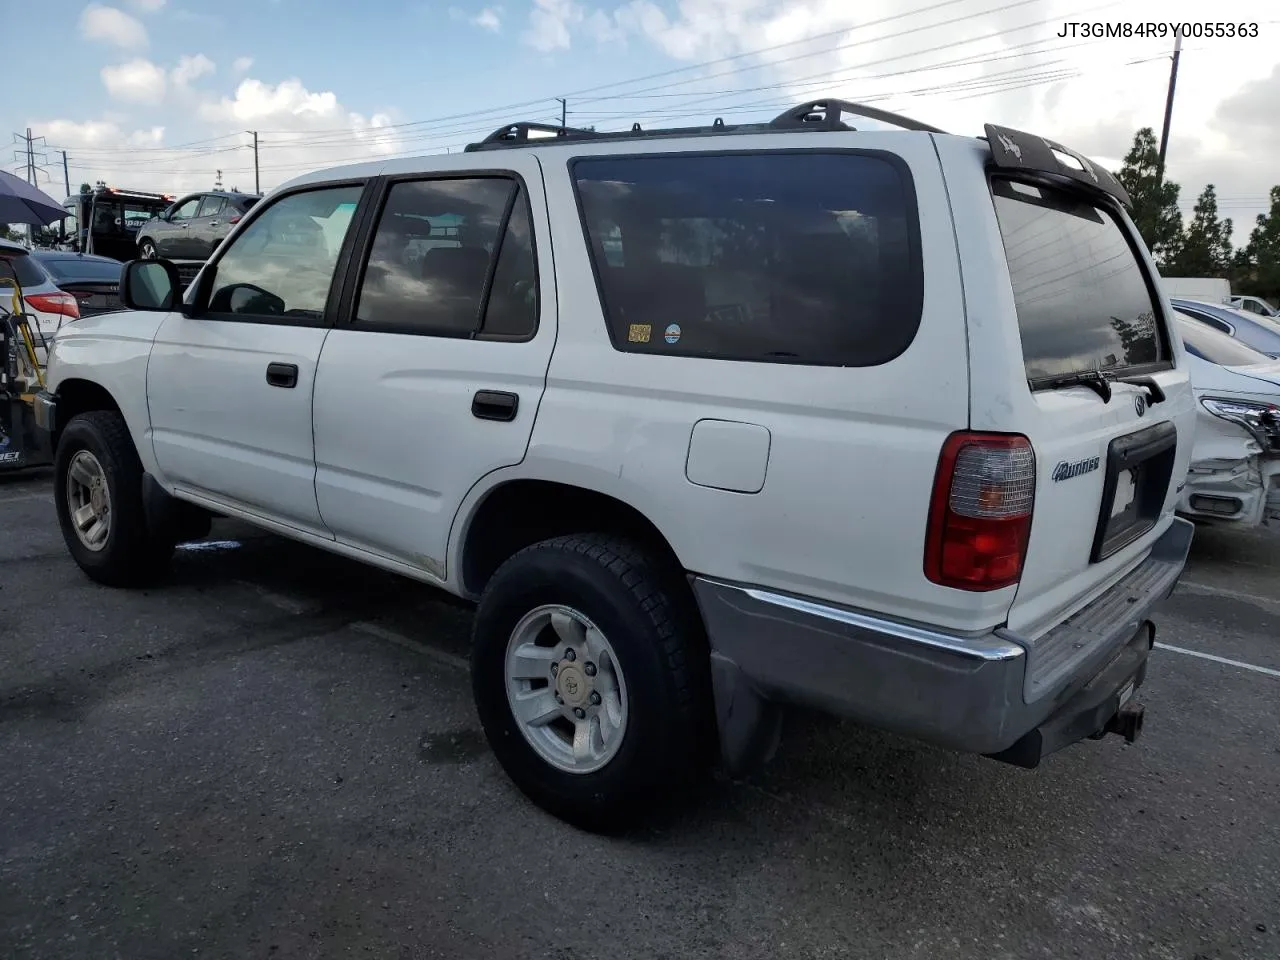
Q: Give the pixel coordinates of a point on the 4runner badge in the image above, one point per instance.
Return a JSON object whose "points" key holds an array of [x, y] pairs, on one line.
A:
{"points": [[1066, 471]]}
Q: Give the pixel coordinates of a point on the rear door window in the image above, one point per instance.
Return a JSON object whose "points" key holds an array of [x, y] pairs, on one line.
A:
{"points": [[1082, 298], [775, 257], [452, 257]]}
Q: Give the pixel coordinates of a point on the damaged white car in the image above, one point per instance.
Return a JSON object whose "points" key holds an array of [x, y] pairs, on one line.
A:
{"points": [[1235, 463]]}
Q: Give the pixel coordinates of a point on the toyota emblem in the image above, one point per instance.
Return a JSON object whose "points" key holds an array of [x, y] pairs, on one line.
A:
{"points": [[1140, 404]]}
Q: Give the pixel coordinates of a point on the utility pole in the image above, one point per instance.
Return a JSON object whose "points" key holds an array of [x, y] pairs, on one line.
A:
{"points": [[31, 160], [564, 112], [217, 183], [1168, 107], [257, 183], [66, 174]]}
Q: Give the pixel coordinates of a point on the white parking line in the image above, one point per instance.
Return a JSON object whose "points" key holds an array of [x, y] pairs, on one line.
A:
{"points": [[1196, 587], [278, 600], [1265, 671], [400, 640]]}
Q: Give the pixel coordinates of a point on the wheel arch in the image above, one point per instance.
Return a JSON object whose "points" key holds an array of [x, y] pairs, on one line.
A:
{"points": [[515, 512], [77, 395]]}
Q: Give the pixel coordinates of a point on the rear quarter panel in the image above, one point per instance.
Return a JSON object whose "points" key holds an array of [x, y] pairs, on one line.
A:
{"points": [[842, 512]]}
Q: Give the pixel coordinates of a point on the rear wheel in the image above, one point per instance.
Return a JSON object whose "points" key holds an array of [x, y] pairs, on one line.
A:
{"points": [[98, 497], [589, 675], [147, 250]]}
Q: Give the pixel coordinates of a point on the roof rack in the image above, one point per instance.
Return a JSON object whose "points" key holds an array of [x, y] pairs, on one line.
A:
{"points": [[815, 115], [826, 115]]}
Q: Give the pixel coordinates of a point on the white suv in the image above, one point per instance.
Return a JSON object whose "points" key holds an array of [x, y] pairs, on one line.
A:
{"points": [[709, 422]]}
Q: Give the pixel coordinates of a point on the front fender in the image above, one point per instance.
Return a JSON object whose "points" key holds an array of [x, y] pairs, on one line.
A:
{"points": [[109, 352]]}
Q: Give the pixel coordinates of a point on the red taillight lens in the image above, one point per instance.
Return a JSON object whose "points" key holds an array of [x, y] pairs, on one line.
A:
{"points": [[63, 303], [235, 219], [980, 517]]}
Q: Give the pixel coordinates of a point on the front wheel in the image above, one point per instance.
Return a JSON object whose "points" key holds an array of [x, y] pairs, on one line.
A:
{"points": [[147, 250], [98, 495], [589, 675]]}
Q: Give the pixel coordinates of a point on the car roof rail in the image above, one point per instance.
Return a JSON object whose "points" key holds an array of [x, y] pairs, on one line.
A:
{"points": [[827, 115], [523, 132], [815, 115]]}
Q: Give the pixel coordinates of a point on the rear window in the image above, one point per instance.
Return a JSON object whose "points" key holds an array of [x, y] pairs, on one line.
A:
{"points": [[72, 269], [1208, 344], [1082, 299], [30, 273], [785, 257]]}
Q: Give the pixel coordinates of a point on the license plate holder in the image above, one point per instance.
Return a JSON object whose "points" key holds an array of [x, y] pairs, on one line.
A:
{"points": [[1136, 483]]}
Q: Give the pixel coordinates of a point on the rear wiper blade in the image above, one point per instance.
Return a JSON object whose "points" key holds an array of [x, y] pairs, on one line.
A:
{"points": [[1095, 380]]}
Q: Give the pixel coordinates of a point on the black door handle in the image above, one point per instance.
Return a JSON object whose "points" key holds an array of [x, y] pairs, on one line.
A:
{"points": [[495, 405], [282, 374]]}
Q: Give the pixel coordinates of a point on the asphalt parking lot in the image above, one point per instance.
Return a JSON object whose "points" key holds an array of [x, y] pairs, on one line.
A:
{"points": [[275, 755]]}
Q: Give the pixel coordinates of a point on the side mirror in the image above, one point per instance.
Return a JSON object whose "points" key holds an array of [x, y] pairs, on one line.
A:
{"points": [[150, 285]]}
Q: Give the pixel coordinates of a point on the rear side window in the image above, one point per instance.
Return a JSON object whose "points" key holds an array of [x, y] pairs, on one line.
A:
{"points": [[1208, 344], [1082, 299], [29, 273], [805, 258]]}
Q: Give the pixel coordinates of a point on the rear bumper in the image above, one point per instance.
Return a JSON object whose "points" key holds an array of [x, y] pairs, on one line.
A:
{"points": [[994, 693]]}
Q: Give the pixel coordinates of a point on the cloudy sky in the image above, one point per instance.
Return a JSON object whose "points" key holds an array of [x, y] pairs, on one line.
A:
{"points": [[161, 94]]}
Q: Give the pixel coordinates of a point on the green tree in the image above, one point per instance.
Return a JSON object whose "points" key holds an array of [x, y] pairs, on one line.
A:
{"points": [[1206, 245], [1262, 255], [1155, 204]]}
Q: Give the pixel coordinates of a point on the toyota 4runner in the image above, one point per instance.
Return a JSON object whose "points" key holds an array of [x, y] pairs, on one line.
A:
{"points": [[709, 422]]}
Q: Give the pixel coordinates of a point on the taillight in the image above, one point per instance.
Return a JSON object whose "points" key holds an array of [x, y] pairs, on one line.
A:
{"points": [[980, 517], [63, 303], [235, 219]]}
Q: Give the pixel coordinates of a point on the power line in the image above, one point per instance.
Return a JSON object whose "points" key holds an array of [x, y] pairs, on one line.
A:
{"points": [[316, 137]]}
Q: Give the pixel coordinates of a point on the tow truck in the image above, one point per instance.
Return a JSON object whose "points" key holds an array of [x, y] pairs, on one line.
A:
{"points": [[105, 220]]}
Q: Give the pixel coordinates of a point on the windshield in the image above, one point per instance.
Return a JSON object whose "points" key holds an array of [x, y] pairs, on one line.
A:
{"points": [[71, 269], [1082, 299], [1208, 344], [111, 216]]}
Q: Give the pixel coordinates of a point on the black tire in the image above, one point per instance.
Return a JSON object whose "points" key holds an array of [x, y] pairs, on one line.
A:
{"points": [[646, 613], [147, 250], [131, 554]]}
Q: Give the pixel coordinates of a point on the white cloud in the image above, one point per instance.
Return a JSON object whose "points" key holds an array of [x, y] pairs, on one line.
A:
{"points": [[302, 130], [148, 6], [99, 134], [241, 65], [137, 81], [109, 25], [488, 19], [191, 68], [550, 22]]}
